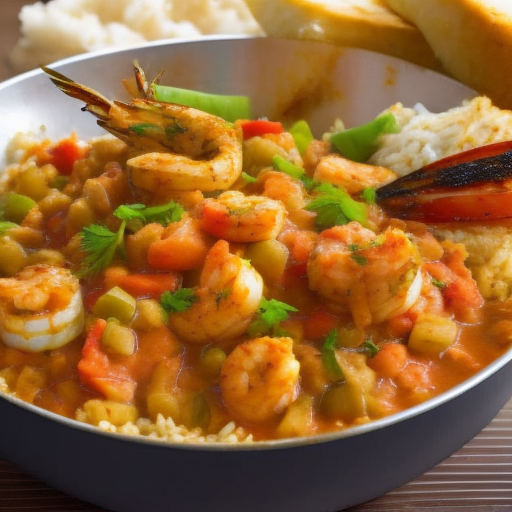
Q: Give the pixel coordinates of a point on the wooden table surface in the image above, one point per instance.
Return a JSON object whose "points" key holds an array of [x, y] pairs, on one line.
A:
{"points": [[478, 478]]}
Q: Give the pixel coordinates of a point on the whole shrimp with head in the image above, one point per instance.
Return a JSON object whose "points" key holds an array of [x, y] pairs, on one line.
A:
{"points": [[174, 147]]}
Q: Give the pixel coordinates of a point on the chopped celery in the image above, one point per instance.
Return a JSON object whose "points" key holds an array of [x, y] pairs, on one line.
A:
{"points": [[302, 135], [17, 206], [116, 303], [118, 339], [359, 143], [228, 107], [283, 165]]}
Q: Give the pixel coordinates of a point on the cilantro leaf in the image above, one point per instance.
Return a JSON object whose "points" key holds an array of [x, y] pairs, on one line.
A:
{"points": [[335, 207], [369, 347], [163, 214], [329, 360], [100, 246], [269, 317], [178, 301]]}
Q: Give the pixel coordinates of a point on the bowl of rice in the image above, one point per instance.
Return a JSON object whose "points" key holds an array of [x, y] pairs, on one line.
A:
{"points": [[160, 465]]}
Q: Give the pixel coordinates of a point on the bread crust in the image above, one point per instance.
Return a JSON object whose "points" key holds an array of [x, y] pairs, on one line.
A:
{"points": [[368, 24], [472, 39]]}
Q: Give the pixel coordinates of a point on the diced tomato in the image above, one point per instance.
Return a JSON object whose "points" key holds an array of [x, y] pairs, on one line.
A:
{"points": [[99, 373], [65, 153], [259, 127]]}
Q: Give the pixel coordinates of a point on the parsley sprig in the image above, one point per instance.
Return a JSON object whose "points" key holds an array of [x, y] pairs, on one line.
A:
{"points": [[268, 318], [100, 244], [334, 207], [331, 365], [178, 301]]}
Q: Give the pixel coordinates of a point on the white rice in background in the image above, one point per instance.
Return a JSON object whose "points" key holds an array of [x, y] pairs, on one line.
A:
{"points": [[426, 137], [62, 28]]}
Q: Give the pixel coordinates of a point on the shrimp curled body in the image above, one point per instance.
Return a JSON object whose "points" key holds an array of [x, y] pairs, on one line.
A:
{"points": [[40, 309], [374, 277], [229, 294], [260, 379]]}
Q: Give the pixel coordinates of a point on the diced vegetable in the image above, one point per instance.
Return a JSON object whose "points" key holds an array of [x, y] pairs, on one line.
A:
{"points": [[260, 127], [211, 359], [269, 258], [17, 206], [107, 410], [293, 170], [433, 334], [116, 303], [65, 153], [118, 339], [229, 107], [359, 143], [302, 135]]}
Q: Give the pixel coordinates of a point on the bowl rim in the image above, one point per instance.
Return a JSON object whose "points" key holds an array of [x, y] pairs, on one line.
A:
{"points": [[286, 443]]}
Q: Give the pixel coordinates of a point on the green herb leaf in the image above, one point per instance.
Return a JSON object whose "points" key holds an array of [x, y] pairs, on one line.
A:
{"points": [[269, 317], [329, 360], [178, 301], [100, 246], [359, 143], [437, 283], [369, 347], [228, 107], [335, 207], [163, 214]]}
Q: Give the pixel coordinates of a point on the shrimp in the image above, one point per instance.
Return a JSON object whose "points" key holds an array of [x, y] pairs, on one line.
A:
{"points": [[174, 147], [41, 308], [229, 294], [235, 217], [260, 378], [373, 277], [352, 176]]}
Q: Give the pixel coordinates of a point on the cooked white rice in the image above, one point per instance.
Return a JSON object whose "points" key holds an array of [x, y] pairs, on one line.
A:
{"points": [[164, 429], [62, 28], [426, 136]]}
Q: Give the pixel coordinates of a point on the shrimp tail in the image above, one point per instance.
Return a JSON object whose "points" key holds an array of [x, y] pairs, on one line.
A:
{"points": [[95, 102]]}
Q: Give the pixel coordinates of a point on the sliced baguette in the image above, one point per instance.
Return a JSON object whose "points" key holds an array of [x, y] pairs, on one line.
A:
{"points": [[472, 39], [367, 24]]}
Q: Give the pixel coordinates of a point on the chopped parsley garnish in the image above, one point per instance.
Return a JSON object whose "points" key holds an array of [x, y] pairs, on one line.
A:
{"points": [[163, 214], [178, 301], [100, 245], [437, 283], [369, 347], [329, 360], [269, 317], [335, 207]]}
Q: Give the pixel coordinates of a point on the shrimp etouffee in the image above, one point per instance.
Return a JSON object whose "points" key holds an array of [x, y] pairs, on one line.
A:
{"points": [[243, 275]]}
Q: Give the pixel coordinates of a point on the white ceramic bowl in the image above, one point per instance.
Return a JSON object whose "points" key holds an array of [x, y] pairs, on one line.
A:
{"points": [[319, 474]]}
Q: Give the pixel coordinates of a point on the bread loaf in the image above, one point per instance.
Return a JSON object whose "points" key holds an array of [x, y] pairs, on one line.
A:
{"points": [[472, 39], [368, 24]]}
